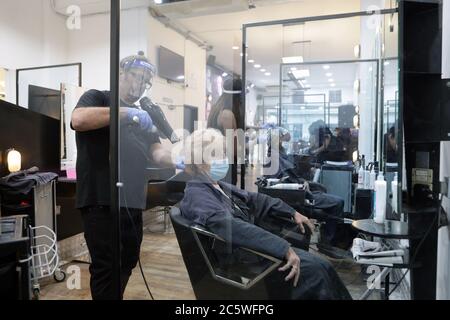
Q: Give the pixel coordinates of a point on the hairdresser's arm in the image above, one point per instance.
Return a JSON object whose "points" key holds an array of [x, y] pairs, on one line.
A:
{"points": [[93, 118]]}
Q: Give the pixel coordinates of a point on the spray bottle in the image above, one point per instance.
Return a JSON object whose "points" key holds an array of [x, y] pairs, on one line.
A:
{"points": [[380, 199]]}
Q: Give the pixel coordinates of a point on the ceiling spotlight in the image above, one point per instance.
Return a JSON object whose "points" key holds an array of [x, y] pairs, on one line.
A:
{"points": [[224, 75], [235, 47], [251, 61], [268, 74], [257, 66], [330, 80], [332, 85], [263, 70], [158, 1], [329, 74], [302, 108], [326, 67], [386, 63]]}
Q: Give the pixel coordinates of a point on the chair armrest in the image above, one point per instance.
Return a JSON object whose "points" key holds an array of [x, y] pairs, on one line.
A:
{"points": [[275, 263]]}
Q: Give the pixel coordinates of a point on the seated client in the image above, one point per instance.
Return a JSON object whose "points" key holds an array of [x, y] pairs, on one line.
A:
{"points": [[240, 218]]}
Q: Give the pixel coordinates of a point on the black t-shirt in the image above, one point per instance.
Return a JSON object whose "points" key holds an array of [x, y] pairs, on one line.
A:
{"points": [[93, 171]]}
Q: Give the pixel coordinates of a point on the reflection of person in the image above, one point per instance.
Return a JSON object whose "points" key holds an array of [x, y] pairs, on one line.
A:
{"points": [[227, 114], [91, 120], [236, 216], [324, 145], [332, 205], [319, 137], [391, 148]]}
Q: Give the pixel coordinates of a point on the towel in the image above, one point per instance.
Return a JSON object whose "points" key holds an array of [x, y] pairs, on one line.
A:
{"points": [[22, 182]]}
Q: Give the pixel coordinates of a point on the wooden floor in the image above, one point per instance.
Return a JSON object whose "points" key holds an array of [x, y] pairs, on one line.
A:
{"points": [[167, 276]]}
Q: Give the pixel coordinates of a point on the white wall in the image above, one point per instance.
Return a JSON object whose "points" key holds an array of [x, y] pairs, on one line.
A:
{"points": [[446, 40], [443, 254], [31, 35]]}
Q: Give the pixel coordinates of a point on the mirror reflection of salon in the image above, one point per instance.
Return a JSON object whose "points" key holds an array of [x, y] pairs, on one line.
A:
{"points": [[391, 145]]}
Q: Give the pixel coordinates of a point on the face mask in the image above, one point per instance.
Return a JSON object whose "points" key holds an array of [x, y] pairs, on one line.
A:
{"points": [[219, 169]]}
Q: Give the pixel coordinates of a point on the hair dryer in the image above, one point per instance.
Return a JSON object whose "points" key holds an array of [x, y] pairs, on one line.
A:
{"points": [[159, 119]]}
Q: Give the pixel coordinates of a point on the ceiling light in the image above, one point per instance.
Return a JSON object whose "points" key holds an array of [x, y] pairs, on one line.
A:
{"points": [[333, 85], [224, 75], [357, 85], [326, 67], [301, 74], [257, 66], [263, 70], [302, 108], [235, 47], [329, 74], [251, 61], [296, 59], [268, 74], [252, 85], [386, 63], [330, 80], [357, 51], [158, 1], [180, 77]]}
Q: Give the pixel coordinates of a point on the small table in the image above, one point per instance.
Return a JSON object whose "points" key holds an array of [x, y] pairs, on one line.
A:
{"points": [[390, 229]]}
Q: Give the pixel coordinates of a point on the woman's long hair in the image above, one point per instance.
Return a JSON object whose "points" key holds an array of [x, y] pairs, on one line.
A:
{"points": [[232, 102]]}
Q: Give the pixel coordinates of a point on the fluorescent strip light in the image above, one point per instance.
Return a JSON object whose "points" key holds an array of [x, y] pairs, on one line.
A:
{"points": [[326, 67], [296, 59], [257, 66], [268, 74], [263, 70], [301, 74], [329, 74]]}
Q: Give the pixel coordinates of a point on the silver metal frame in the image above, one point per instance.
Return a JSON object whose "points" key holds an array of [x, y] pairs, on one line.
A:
{"points": [[196, 230]]}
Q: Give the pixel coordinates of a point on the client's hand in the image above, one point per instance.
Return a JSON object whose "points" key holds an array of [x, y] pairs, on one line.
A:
{"points": [[301, 220], [293, 263]]}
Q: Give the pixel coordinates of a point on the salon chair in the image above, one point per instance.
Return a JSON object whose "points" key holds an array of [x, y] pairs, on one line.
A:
{"points": [[165, 189], [217, 273], [297, 200]]}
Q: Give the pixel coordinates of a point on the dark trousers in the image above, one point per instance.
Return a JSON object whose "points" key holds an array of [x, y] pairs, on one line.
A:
{"points": [[333, 206], [98, 234]]}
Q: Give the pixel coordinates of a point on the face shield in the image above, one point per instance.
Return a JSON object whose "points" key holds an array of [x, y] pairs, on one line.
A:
{"points": [[136, 80]]}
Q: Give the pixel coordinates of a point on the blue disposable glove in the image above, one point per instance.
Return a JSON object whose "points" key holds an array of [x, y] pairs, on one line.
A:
{"points": [[180, 163], [141, 118]]}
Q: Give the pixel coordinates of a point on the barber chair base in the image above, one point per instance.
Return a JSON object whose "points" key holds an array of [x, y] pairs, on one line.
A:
{"points": [[161, 226]]}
